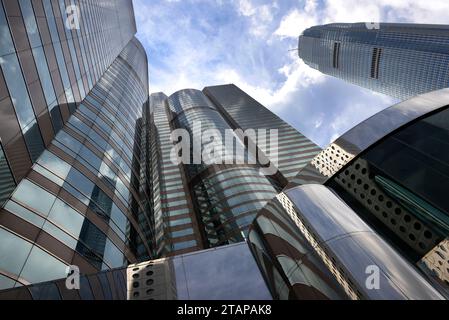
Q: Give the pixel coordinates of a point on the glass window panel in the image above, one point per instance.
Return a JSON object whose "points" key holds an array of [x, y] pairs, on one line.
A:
{"points": [[13, 252], [6, 283], [184, 245], [6, 44], [30, 23], [79, 181], [16, 85], [24, 213], [44, 75], [101, 203], [54, 164], [93, 238], [37, 198], [71, 143], [60, 235], [175, 223], [89, 159], [119, 218], [113, 256], [34, 141], [63, 215], [42, 267], [182, 233]]}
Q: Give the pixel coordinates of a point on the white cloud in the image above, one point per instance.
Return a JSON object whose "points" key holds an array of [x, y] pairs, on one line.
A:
{"points": [[298, 20], [246, 42]]}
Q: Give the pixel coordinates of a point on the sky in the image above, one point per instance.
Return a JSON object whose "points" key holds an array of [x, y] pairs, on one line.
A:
{"points": [[199, 43]]}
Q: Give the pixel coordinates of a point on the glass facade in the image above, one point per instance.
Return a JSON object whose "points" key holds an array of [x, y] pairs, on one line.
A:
{"points": [[400, 60], [176, 228], [72, 140], [47, 68], [203, 203], [294, 150], [226, 195]]}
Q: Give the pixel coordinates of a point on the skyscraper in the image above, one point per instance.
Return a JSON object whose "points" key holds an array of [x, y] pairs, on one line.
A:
{"points": [[202, 205], [74, 85], [295, 151], [399, 60]]}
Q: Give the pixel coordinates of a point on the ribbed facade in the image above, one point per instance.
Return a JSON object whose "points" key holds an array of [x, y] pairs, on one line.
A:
{"points": [[176, 229], [226, 196], [86, 199], [294, 150], [399, 60], [47, 69]]}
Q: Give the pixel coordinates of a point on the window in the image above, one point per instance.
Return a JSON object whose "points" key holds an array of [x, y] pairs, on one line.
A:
{"points": [[375, 63], [184, 245], [6, 283], [17, 89], [119, 218], [113, 256], [35, 197], [336, 57], [64, 216], [24, 213], [80, 182], [89, 159], [33, 139], [30, 23], [101, 203], [54, 164], [175, 223], [182, 233], [70, 144], [13, 252], [42, 267], [6, 44]]}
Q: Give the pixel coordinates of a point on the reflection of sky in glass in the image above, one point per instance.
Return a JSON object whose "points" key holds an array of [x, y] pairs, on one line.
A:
{"points": [[224, 273]]}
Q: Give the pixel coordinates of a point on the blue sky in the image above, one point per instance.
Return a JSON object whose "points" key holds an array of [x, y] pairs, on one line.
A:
{"points": [[198, 43]]}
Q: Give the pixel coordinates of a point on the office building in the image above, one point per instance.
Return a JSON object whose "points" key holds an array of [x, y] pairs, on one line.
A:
{"points": [[399, 60], [201, 205], [74, 179], [294, 150]]}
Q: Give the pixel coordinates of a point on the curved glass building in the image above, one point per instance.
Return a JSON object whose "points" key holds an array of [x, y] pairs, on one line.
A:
{"points": [[226, 195], [81, 106], [374, 202]]}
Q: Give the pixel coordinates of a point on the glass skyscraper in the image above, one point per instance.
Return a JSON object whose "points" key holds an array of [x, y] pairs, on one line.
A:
{"points": [[201, 205], [74, 178], [399, 60]]}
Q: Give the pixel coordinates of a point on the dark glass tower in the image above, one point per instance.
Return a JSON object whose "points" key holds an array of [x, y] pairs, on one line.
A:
{"points": [[399, 60], [74, 139], [295, 150]]}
